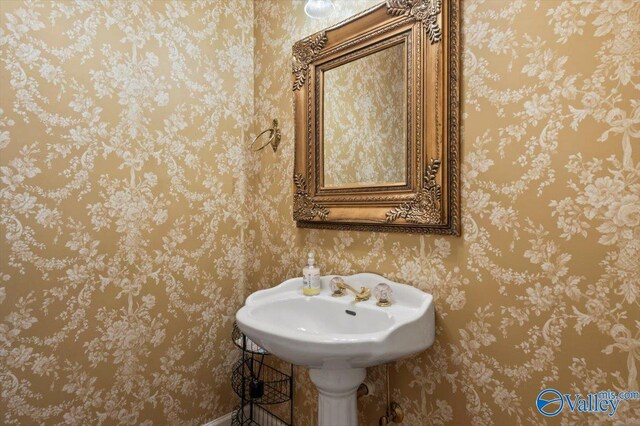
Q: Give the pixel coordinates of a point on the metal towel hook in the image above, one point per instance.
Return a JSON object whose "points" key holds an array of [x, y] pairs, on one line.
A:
{"points": [[274, 138]]}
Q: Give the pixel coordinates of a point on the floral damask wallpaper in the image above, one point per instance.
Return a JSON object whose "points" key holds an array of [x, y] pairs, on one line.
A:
{"points": [[135, 222], [371, 128], [543, 287], [123, 208]]}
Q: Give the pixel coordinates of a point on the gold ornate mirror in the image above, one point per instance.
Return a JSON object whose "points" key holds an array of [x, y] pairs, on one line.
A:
{"points": [[377, 119]]}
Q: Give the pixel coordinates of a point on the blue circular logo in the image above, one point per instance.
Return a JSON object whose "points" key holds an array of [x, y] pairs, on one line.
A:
{"points": [[549, 402]]}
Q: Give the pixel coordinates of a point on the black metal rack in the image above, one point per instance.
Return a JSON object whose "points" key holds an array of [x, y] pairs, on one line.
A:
{"points": [[260, 386]]}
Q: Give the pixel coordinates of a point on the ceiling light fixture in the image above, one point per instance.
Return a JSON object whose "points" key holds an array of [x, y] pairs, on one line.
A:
{"points": [[318, 8]]}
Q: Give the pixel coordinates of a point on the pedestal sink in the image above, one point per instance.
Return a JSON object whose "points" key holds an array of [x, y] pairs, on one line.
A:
{"points": [[337, 338]]}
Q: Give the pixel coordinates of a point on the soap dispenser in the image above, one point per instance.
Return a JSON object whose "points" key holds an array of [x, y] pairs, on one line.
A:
{"points": [[311, 277]]}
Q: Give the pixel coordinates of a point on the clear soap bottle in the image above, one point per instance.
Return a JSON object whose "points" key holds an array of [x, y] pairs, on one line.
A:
{"points": [[311, 277]]}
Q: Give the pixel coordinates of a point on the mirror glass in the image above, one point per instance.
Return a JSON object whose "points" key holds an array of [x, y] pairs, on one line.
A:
{"points": [[364, 120]]}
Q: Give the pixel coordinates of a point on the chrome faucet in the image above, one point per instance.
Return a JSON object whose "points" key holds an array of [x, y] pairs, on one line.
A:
{"points": [[339, 286]]}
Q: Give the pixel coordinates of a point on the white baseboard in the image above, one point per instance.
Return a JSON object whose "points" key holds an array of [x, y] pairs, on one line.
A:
{"points": [[259, 414], [263, 417], [221, 421]]}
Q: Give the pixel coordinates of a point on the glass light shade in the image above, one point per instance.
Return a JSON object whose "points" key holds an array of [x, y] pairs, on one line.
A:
{"points": [[318, 8]]}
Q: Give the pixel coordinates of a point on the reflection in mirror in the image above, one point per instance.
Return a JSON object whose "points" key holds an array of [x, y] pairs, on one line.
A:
{"points": [[364, 125]]}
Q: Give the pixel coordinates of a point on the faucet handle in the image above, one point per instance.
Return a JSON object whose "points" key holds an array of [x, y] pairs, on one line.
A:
{"points": [[337, 291], [383, 294]]}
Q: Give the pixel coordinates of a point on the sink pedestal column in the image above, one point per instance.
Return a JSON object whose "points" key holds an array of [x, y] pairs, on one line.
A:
{"points": [[337, 402]]}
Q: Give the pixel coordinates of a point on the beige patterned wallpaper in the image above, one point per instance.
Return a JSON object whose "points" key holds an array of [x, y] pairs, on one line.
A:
{"points": [[135, 223], [543, 287], [124, 208], [365, 142]]}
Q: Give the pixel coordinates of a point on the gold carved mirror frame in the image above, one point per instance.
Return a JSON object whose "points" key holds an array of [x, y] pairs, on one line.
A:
{"points": [[429, 200]]}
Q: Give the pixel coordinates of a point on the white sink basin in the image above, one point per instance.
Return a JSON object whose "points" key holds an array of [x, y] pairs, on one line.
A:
{"points": [[337, 337]]}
